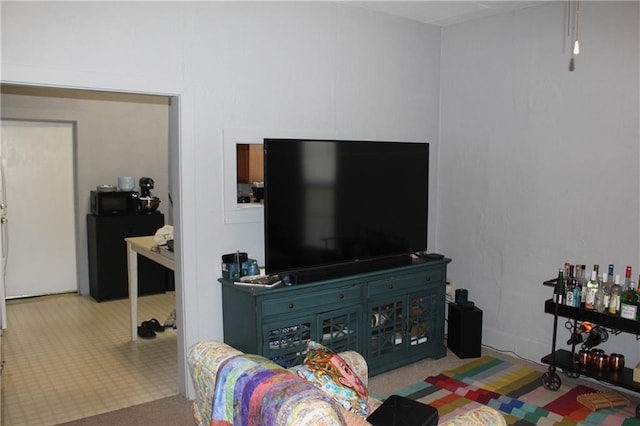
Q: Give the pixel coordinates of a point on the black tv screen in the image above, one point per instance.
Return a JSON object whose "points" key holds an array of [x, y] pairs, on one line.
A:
{"points": [[331, 203]]}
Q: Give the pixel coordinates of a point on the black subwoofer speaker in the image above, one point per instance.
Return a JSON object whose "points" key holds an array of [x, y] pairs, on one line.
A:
{"points": [[401, 411], [464, 335]]}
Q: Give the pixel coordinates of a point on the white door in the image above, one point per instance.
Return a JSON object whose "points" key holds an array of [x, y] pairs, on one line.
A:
{"points": [[39, 228], [3, 248]]}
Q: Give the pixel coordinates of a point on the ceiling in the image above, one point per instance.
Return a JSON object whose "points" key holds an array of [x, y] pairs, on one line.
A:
{"points": [[443, 13]]}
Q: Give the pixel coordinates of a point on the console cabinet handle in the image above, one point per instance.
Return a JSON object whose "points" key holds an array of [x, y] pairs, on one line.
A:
{"points": [[389, 286], [291, 305], [341, 296]]}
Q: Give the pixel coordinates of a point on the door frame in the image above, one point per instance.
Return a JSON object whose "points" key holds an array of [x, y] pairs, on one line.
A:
{"points": [[175, 92]]}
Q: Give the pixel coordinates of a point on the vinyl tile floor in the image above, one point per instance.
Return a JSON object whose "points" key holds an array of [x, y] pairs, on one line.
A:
{"points": [[68, 357]]}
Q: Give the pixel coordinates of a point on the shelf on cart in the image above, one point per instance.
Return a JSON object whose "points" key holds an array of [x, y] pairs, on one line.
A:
{"points": [[602, 319], [563, 360]]}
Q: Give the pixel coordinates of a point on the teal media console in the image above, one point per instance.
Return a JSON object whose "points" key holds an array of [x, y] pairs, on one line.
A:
{"points": [[392, 317]]}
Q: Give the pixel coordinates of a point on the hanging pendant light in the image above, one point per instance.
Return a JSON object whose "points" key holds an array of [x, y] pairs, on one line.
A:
{"points": [[576, 44], [573, 25]]}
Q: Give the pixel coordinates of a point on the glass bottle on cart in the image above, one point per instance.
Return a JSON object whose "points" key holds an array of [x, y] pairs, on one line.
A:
{"points": [[629, 302], [592, 288], [614, 298]]}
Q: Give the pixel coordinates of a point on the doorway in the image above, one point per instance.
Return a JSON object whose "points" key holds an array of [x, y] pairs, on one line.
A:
{"points": [[116, 134], [124, 148]]}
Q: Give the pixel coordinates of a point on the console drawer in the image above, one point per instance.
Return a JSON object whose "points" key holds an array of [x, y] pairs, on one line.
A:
{"points": [[401, 283], [310, 301]]}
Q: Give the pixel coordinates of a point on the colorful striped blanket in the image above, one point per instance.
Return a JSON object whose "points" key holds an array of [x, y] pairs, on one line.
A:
{"points": [[251, 390], [517, 392]]}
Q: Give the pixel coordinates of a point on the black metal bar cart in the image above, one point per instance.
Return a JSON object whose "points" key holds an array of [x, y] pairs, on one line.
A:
{"points": [[568, 360]]}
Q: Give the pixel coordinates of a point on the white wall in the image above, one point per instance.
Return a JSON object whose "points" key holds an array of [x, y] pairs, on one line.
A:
{"points": [[539, 164], [310, 67]]}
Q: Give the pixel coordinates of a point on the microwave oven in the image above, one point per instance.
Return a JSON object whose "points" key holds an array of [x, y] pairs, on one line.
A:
{"points": [[114, 203]]}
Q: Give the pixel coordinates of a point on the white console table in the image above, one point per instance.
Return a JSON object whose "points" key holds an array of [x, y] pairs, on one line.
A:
{"points": [[145, 246]]}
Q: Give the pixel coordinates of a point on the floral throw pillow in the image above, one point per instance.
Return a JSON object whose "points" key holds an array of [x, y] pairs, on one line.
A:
{"points": [[329, 371]]}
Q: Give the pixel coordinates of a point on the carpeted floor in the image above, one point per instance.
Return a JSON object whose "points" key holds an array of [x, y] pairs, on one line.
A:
{"points": [[170, 411], [517, 392]]}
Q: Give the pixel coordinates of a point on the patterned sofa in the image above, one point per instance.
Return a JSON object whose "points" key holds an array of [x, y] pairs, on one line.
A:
{"points": [[310, 406], [292, 400]]}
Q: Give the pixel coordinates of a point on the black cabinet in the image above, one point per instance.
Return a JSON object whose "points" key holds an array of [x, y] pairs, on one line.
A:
{"points": [[108, 277]]}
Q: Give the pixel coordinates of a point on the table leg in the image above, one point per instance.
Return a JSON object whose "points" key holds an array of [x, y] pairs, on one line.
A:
{"points": [[132, 266]]}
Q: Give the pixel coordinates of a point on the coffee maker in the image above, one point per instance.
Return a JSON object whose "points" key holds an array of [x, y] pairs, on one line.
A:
{"points": [[148, 203], [146, 185]]}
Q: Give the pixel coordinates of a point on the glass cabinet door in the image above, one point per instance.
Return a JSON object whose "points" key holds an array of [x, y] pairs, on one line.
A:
{"points": [[424, 318], [387, 327], [340, 329], [405, 324], [285, 342]]}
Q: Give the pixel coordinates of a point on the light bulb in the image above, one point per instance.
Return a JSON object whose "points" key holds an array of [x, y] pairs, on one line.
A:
{"points": [[576, 48]]}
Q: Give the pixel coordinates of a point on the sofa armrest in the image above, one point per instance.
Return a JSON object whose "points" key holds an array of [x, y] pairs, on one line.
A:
{"points": [[312, 408], [480, 416], [203, 359]]}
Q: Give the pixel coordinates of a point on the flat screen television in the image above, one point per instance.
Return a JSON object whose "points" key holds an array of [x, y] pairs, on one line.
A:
{"points": [[340, 207]]}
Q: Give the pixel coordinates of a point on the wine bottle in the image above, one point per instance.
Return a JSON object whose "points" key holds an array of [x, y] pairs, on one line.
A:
{"points": [[559, 292], [580, 334], [629, 302], [592, 288], [597, 336], [614, 298]]}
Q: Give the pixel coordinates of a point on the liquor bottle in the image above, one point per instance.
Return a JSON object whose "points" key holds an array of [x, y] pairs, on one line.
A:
{"points": [[570, 285], [603, 293], [607, 297], [629, 302], [583, 285], [580, 334], [592, 288], [627, 279], [597, 336], [559, 292], [577, 292], [614, 298], [598, 299], [610, 273], [608, 286]]}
